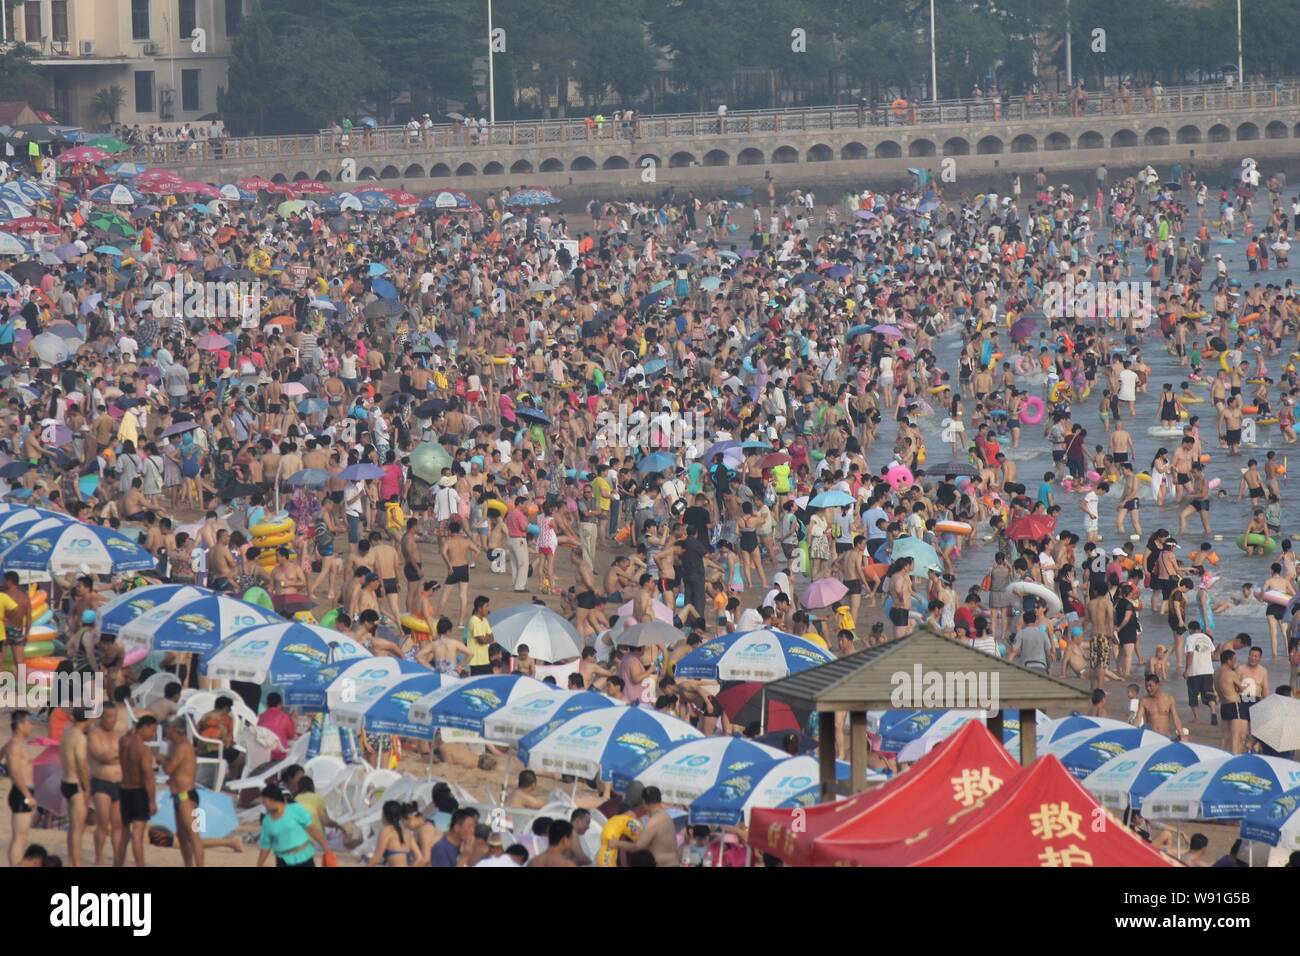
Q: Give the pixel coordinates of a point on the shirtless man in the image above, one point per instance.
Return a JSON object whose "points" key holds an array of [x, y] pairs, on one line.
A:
{"points": [[1102, 639], [658, 835], [1198, 500], [1227, 685], [139, 800], [525, 795], [900, 589], [221, 563], [18, 617], [588, 618], [1181, 463], [180, 767], [412, 565], [75, 782], [559, 844], [621, 574], [386, 562], [444, 651], [288, 581], [1158, 711], [106, 784], [22, 796], [1254, 679], [1121, 444], [457, 548], [1129, 501]]}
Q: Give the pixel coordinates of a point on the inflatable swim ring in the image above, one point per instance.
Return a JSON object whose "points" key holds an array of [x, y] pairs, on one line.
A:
{"points": [[1044, 594], [960, 528], [1257, 541], [415, 623], [1032, 410]]}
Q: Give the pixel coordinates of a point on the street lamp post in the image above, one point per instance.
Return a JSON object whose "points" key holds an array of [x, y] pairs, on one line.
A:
{"points": [[492, 89], [1241, 76], [934, 69]]}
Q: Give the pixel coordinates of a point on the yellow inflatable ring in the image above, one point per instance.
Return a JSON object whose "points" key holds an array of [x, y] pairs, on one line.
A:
{"points": [[1190, 399], [274, 540], [415, 623], [268, 528], [1143, 477], [953, 527], [939, 389], [496, 506], [1223, 361], [501, 360], [1270, 420]]}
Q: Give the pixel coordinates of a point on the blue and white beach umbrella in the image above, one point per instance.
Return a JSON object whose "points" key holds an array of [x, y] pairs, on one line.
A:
{"points": [[129, 605], [601, 741], [1276, 823], [282, 653], [12, 209], [1086, 751], [465, 706], [389, 712], [15, 531], [116, 194], [1047, 731], [1125, 780], [523, 716], [686, 769], [193, 625], [364, 679], [792, 781], [1228, 788], [76, 548], [757, 655], [933, 732]]}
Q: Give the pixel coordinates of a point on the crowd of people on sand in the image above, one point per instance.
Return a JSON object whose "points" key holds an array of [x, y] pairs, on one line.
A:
{"points": [[644, 414]]}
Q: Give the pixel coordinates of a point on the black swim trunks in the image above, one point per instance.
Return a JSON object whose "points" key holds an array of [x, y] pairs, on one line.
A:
{"points": [[69, 790], [411, 572], [459, 575], [135, 805], [110, 788], [391, 586], [898, 616], [1231, 711], [588, 601], [17, 803]]}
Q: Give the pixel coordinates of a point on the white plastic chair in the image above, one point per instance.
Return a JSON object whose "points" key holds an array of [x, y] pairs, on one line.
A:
{"points": [[325, 772], [218, 762], [150, 691], [297, 754]]}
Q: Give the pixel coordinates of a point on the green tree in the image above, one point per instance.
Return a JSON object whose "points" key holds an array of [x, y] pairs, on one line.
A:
{"points": [[252, 88], [107, 101], [22, 82]]}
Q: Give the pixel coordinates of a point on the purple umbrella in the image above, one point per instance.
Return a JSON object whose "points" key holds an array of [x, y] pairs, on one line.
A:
{"points": [[65, 330], [889, 331], [67, 252], [865, 214], [1023, 329], [178, 428], [362, 472], [838, 271], [824, 592]]}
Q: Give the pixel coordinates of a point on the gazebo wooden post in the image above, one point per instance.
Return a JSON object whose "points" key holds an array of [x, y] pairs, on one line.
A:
{"points": [[857, 751], [1028, 735], [994, 724], [826, 752]]}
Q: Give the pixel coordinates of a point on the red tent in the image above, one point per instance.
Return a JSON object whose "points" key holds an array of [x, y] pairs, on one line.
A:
{"points": [[1043, 817], [967, 767]]}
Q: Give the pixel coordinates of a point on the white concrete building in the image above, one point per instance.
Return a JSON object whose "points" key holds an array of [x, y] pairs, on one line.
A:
{"points": [[149, 48]]}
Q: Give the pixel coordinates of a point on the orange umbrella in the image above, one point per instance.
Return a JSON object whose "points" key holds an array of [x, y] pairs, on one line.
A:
{"points": [[285, 320], [224, 235]]}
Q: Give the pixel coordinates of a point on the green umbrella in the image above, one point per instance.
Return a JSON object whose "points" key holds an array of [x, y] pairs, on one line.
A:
{"points": [[428, 460], [112, 223], [291, 207], [109, 144], [924, 556]]}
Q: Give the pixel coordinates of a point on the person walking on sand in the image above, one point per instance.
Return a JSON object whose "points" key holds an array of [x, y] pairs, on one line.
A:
{"points": [[181, 769], [74, 784]]}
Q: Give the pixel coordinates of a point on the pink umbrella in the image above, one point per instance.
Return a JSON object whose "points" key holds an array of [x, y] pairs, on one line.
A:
{"points": [[206, 190], [294, 388], [213, 342], [83, 154], [160, 187], [823, 592], [157, 174], [661, 611]]}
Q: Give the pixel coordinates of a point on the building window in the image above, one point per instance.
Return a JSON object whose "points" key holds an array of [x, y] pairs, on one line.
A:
{"points": [[140, 21], [144, 91], [32, 29], [59, 20], [190, 90], [234, 16], [9, 19], [188, 18]]}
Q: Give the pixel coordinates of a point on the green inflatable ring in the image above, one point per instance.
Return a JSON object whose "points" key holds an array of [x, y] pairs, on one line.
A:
{"points": [[1257, 541], [258, 596], [330, 617], [33, 649]]}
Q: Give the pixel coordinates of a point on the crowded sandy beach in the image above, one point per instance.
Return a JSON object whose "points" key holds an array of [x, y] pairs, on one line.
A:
{"points": [[343, 525]]}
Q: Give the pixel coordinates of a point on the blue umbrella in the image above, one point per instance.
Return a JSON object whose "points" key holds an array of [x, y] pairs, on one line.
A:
{"points": [[12, 193], [76, 548], [34, 191], [384, 289], [375, 201], [762, 654], [468, 704], [521, 718], [312, 406], [195, 625], [654, 366], [219, 816], [657, 462], [789, 782], [377, 269], [390, 711], [1276, 822], [601, 741], [898, 728], [685, 769], [369, 121], [126, 170], [532, 197], [282, 652], [325, 305], [8, 284], [15, 531], [682, 259], [831, 499], [1226, 788], [116, 194], [1125, 780], [353, 680], [314, 478], [1086, 751], [107, 250], [647, 301], [923, 556], [362, 472], [126, 607], [856, 331], [535, 415]]}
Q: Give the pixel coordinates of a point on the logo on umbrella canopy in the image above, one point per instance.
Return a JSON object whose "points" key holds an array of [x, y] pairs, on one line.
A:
{"points": [[807, 654], [197, 623], [639, 743], [113, 544], [1167, 768], [1108, 748], [482, 699], [39, 545], [405, 698], [1248, 783], [1281, 808], [306, 653]]}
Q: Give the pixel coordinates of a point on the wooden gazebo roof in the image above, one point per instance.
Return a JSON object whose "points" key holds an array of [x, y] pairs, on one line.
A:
{"points": [[867, 680]]}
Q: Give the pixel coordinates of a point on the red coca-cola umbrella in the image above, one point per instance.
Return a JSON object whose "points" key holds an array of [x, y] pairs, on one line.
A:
{"points": [[26, 225], [156, 174], [312, 187], [255, 184], [282, 189], [1031, 528]]}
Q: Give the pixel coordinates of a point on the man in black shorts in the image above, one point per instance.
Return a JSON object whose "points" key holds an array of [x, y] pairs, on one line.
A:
{"points": [[138, 800]]}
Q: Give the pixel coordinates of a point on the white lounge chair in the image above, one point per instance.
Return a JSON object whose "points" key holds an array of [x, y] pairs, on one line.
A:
{"points": [[297, 754]]}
